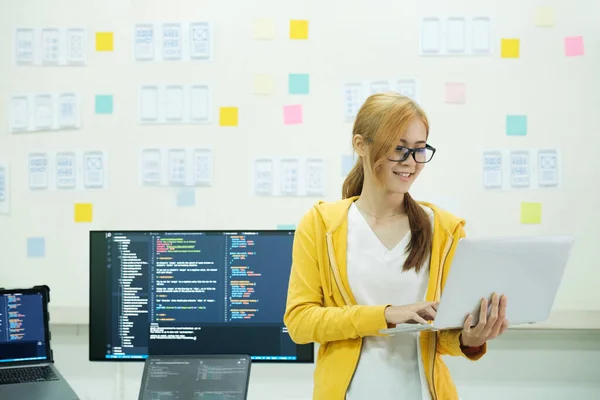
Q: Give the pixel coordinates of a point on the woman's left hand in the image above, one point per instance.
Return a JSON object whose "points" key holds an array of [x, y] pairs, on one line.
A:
{"points": [[486, 328]]}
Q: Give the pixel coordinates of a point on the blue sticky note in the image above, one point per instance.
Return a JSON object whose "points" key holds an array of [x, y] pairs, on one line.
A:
{"points": [[284, 227], [104, 104], [347, 164], [299, 83], [186, 198], [36, 247], [516, 125]]}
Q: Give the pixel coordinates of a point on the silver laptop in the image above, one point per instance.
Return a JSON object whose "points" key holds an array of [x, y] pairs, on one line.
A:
{"points": [[210, 376], [528, 270], [27, 368]]}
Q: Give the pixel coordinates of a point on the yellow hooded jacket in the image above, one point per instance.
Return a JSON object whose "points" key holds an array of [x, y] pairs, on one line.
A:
{"points": [[321, 308]]}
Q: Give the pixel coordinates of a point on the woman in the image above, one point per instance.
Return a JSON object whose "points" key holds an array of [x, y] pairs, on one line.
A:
{"points": [[378, 258]]}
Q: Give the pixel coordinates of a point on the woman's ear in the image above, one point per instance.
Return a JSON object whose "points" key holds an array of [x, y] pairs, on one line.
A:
{"points": [[358, 143]]}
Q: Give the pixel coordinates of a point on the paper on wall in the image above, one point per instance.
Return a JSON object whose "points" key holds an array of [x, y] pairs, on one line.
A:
{"points": [[176, 167], [44, 112], [67, 170], [288, 176], [450, 36], [521, 169], [174, 104], [50, 46], [4, 188], [168, 41], [355, 93]]}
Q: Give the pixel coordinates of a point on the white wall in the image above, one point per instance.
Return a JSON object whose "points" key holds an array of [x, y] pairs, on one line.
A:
{"points": [[530, 365], [356, 40]]}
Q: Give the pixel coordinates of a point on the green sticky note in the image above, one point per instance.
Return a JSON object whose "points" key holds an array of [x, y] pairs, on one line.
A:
{"points": [[299, 83], [104, 104], [286, 227], [531, 213], [516, 125]]}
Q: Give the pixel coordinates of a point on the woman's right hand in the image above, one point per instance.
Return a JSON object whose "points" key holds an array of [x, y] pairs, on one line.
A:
{"points": [[417, 313]]}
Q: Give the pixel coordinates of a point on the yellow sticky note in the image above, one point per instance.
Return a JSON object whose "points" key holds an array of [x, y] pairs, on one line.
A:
{"points": [[299, 29], [544, 16], [104, 41], [510, 48], [263, 84], [229, 116], [83, 212], [264, 28], [531, 213]]}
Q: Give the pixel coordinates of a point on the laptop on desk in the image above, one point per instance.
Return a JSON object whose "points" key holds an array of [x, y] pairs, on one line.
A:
{"points": [[527, 270], [27, 370], [196, 377]]}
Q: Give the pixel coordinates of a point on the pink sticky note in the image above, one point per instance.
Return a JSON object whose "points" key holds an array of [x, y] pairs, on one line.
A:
{"points": [[292, 114], [456, 93], [574, 46]]}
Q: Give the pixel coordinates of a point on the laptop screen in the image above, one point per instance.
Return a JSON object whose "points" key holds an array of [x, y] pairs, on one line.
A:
{"points": [[22, 333], [196, 377]]}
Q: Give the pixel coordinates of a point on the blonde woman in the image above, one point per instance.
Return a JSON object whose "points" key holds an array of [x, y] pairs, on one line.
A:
{"points": [[378, 258]]}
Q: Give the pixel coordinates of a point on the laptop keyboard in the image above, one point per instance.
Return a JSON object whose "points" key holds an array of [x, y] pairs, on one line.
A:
{"points": [[27, 374]]}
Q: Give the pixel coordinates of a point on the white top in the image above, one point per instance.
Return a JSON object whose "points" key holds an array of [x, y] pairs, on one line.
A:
{"points": [[389, 367]]}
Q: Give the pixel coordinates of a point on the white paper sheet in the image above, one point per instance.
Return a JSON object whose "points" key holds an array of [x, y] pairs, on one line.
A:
{"points": [[4, 187], [355, 93], [49, 46], [67, 170], [174, 104], [176, 167], [44, 112], [173, 41], [288, 176], [519, 169], [456, 35]]}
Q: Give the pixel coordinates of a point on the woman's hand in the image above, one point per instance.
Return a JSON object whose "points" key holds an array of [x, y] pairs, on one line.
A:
{"points": [[411, 313], [486, 328]]}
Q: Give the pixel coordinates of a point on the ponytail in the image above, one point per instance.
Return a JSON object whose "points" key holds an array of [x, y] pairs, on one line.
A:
{"points": [[354, 181], [421, 240]]}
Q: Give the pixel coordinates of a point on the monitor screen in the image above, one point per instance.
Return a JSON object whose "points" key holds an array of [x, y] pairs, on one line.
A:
{"points": [[196, 377], [22, 328], [191, 292]]}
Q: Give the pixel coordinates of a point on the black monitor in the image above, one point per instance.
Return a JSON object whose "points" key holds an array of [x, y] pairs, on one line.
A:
{"points": [[191, 292]]}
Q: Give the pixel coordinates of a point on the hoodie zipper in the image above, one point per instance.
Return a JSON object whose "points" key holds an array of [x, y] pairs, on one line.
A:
{"points": [[433, 343]]}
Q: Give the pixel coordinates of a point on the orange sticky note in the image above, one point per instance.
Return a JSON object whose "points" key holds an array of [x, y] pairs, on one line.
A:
{"points": [[83, 212], [510, 48], [228, 116], [531, 213], [299, 29], [104, 41]]}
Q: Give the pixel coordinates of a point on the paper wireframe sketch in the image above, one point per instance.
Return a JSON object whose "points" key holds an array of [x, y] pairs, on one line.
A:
{"points": [[50, 46], [44, 112], [288, 176], [173, 41], [177, 167], [174, 104], [4, 187], [456, 35]]}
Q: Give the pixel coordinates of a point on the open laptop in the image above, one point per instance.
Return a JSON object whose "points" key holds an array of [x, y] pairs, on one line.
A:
{"points": [[527, 270], [27, 368], [196, 377]]}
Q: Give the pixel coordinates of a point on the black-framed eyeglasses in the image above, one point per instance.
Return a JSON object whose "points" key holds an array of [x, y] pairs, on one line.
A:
{"points": [[421, 155]]}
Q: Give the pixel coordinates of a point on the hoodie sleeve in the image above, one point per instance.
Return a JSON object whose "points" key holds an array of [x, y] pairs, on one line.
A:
{"points": [[306, 317], [449, 340]]}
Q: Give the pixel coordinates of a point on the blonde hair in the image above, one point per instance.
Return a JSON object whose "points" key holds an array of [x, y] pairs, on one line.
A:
{"points": [[382, 121]]}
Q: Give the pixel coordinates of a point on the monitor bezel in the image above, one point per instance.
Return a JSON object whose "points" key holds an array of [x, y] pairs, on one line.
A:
{"points": [[98, 314]]}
